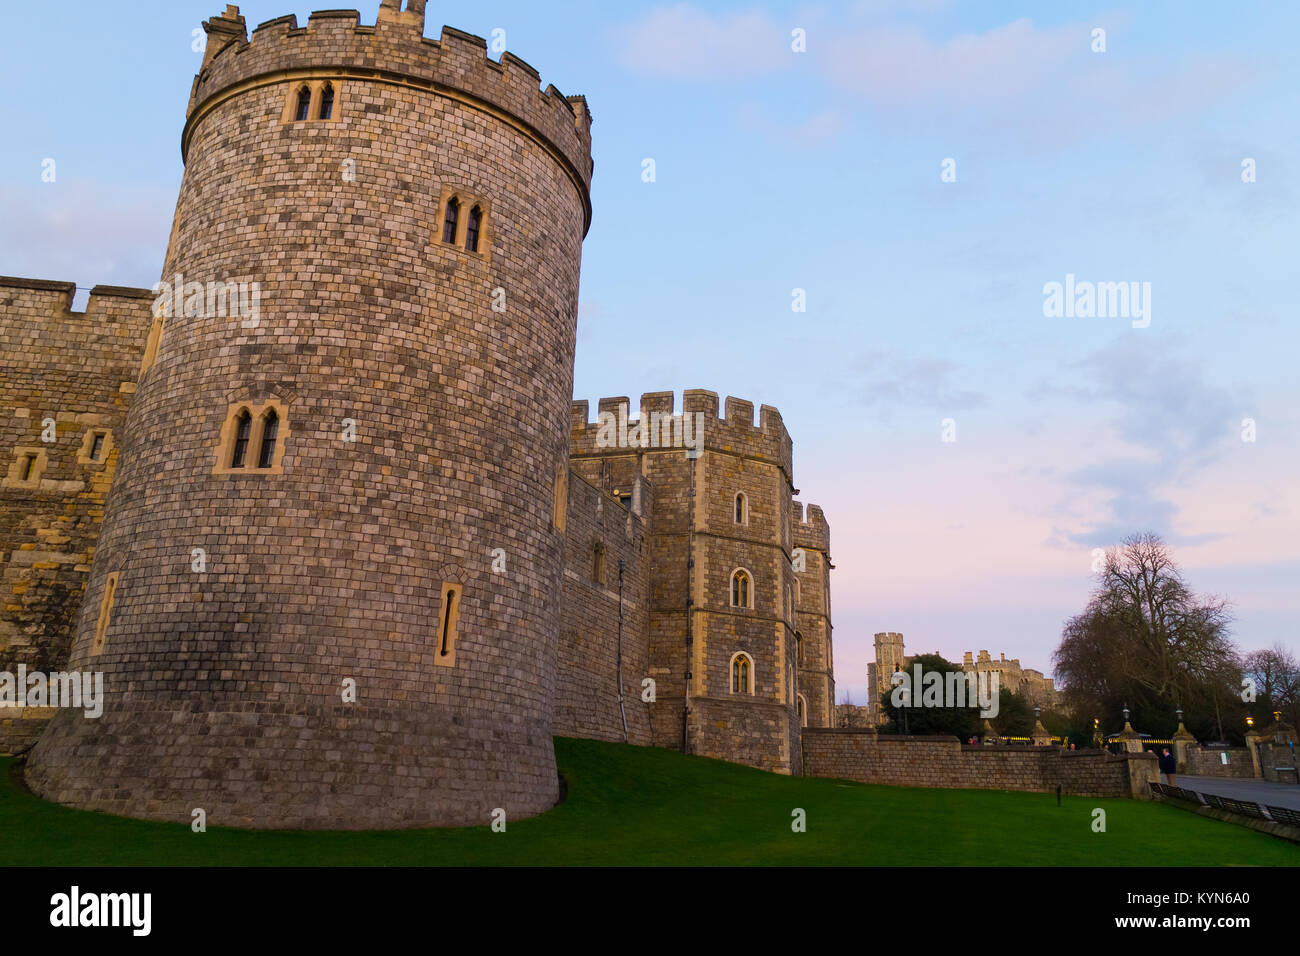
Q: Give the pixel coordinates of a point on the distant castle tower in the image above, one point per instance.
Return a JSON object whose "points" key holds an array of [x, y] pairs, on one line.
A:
{"points": [[348, 491], [889, 659]]}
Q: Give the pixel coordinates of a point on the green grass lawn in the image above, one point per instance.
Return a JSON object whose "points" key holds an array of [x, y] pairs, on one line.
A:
{"points": [[643, 806]]}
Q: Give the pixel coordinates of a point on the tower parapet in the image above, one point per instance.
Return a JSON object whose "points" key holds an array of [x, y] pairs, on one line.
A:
{"points": [[392, 51], [655, 423], [811, 529]]}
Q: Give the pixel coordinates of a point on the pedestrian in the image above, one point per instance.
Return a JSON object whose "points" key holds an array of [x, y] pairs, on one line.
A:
{"points": [[1168, 766]]}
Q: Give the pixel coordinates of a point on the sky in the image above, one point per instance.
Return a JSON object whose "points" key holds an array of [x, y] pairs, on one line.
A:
{"points": [[922, 170]]}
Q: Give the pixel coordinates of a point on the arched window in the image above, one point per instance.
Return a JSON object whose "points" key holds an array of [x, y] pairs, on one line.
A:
{"points": [[304, 104], [798, 647], [472, 227], [450, 220], [742, 508], [243, 428], [270, 428], [598, 563], [742, 669], [327, 102], [741, 595], [803, 710]]}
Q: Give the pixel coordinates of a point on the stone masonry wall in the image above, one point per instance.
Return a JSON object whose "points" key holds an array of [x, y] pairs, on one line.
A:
{"points": [[78, 369], [945, 762], [586, 683], [1204, 762]]}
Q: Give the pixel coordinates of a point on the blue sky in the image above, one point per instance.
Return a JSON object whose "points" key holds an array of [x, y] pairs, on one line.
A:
{"points": [[820, 170]]}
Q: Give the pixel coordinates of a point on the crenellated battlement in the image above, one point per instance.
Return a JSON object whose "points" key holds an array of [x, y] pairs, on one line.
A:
{"points": [[811, 529], [392, 50], [656, 423], [51, 297], [37, 322]]}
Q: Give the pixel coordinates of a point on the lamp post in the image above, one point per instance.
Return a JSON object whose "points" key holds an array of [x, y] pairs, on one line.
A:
{"points": [[1131, 739]]}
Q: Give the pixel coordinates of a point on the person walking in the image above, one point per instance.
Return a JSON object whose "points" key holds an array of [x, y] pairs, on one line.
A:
{"points": [[1168, 766]]}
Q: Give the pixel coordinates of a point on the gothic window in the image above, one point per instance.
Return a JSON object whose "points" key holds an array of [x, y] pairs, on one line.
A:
{"points": [[741, 590], [742, 674], [798, 647], [472, 228], [243, 429], [252, 440], [304, 104], [803, 711], [598, 563], [451, 219], [327, 102], [270, 427], [742, 509]]}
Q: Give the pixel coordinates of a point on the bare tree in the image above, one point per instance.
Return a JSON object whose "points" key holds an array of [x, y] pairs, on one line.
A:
{"points": [[1276, 676], [1144, 633]]}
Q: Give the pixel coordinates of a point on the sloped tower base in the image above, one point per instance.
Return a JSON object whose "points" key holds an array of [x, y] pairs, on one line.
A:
{"points": [[342, 768]]}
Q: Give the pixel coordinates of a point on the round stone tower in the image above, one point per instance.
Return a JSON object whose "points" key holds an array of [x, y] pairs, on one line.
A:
{"points": [[326, 589]]}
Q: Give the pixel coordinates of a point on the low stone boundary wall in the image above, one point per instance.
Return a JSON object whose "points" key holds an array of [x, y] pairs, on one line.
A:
{"points": [[867, 757], [1208, 762]]}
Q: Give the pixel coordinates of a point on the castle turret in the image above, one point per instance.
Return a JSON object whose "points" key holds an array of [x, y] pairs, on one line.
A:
{"points": [[326, 590], [889, 659], [815, 653], [724, 637]]}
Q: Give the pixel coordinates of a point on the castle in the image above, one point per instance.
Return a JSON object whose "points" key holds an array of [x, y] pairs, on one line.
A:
{"points": [[324, 514], [890, 657]]}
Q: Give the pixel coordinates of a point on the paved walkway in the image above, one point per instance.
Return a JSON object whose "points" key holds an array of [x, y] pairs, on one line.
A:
{"points": [[1258, 791]]}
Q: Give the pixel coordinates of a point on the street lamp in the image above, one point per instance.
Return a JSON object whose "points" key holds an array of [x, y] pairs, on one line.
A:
{"points": [[1179, 714], [1126, 713]]}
